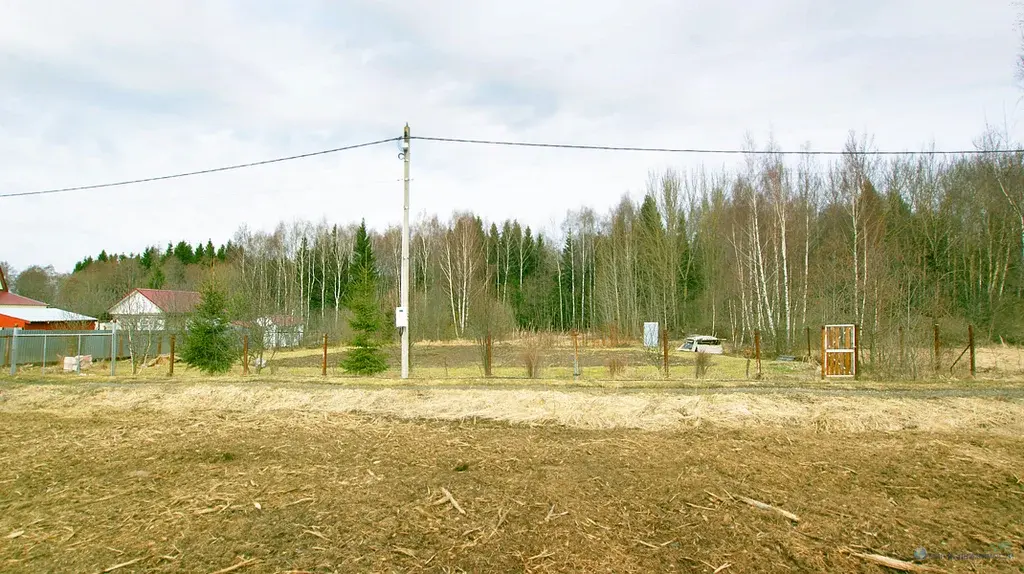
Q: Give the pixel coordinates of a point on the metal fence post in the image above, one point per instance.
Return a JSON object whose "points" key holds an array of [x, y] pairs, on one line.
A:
{"points": [[575, 356], [78, 359], [113, 350], [43, 368], [14, 351]]}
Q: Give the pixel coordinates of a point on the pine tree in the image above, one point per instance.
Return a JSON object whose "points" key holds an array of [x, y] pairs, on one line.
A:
{"points": [[148, 257], [183, 251], [156, 278], [366, 358], [209, 344]]}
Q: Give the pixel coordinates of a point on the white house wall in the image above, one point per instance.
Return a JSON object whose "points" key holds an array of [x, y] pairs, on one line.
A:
{"points": [[150, 317], [135, 304]]}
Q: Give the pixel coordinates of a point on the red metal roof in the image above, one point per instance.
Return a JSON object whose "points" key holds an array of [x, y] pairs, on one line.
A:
{"points": [[10, 299], [7, 298], [172, 301], [285, 320]]}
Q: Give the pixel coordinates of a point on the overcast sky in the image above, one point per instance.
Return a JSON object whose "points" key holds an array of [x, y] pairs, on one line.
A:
{"points": [[111, 90]]}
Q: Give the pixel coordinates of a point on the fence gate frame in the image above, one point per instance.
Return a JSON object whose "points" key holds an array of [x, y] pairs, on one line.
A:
{"points": [[839, 361]]}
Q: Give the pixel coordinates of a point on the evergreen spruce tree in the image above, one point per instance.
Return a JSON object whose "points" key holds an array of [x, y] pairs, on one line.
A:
{"points": [[366, 357], [209, 343], [156, 278]]}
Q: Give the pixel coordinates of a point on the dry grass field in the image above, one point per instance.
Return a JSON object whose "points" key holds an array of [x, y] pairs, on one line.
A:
{"points": [[241, 477]]}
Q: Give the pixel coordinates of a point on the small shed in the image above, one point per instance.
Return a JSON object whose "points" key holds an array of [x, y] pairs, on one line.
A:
{"points": [[44, 318], [279, 331]]}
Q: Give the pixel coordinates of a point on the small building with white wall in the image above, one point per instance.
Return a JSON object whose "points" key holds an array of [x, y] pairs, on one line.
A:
{"points": [[154, 309]]}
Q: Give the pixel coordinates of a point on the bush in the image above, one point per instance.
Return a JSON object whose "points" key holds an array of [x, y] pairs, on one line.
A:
{"points": [[532, 355], [486, 348], [616, 367], [701, 364]]}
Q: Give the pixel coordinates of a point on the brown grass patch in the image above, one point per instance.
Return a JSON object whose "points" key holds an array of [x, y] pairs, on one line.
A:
{"points": [[197, 490], [648, 410]]}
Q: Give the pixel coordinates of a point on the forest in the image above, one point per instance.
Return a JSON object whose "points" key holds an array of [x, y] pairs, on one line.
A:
{"points": [[783, 243]]}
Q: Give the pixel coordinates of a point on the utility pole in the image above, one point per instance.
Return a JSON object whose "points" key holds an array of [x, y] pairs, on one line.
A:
{"points": [[404, 314]]}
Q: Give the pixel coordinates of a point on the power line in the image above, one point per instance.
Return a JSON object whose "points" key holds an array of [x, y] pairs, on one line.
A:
{"points": [[707, 150], [200, 172]]}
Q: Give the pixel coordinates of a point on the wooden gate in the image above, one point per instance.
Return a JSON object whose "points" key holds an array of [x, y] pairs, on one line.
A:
{"points": [[839, 351]]}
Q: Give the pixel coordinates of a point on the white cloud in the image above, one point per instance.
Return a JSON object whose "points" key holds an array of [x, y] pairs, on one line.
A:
{"points": [[115, 90]]}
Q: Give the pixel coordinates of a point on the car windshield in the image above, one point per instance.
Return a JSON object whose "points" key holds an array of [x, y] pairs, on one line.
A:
{"points": [[688, 345]]}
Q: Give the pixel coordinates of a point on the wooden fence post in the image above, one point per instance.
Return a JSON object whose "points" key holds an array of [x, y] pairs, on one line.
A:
{"points": [[902, 352], [970, 343], [487, 354], [938, 348], [323, 364], [757, 351], [170, 373], [664, 349], [823, 354], [856, 350], [245, 354]]}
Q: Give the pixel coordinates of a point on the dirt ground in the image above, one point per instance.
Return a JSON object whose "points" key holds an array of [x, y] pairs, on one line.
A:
{"points": [[208, 478]]}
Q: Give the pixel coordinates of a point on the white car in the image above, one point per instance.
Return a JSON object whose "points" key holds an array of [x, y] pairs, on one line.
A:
{"points": [[702, 344]]}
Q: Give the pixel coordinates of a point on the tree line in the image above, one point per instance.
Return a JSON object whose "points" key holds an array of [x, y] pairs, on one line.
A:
{"points": [[775, 246]]}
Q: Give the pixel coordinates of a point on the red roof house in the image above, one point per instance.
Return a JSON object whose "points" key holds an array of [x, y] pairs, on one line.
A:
{"points": [[152, 307], [24, 313], [8, 299]]}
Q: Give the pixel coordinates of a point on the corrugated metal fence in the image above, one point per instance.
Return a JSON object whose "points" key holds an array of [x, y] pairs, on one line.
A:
{"points": [[19, 347]]}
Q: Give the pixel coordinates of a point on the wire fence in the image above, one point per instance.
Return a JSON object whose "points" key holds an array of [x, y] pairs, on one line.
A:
{"points": [[924, 352], [56, 351]]}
